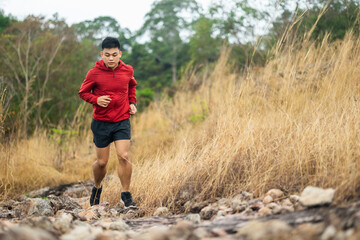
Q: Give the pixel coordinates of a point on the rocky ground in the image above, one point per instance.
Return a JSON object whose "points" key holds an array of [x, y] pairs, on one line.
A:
{"points": [[61, 213]]}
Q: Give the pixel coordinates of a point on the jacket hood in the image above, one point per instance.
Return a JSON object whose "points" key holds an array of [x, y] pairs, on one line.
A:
{"points": [[101, 65]]}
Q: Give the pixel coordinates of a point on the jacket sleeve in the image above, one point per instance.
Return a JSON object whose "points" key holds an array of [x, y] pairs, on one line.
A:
{"points": [[132, 89], [85, 89]]}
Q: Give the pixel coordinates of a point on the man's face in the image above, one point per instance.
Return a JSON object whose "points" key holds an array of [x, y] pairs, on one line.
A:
{"points": [[111, 57]]}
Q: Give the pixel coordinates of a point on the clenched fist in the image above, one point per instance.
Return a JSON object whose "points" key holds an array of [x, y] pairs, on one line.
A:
{"points": [[103, 101], [132, 109]]}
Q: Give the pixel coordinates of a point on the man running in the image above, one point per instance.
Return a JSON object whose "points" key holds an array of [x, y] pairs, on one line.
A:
{"points": [[111, 88]]}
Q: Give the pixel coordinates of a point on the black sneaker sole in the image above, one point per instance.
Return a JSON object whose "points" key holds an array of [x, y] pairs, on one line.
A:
{"points": [[129, 207]]}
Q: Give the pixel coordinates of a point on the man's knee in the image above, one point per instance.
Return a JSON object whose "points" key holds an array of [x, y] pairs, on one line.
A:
{"points": [[123, 156], [101, 163]]}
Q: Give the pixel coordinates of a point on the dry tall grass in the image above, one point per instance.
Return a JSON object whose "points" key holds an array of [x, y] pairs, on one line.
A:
{"points": [[39, 161], [294, 123]]}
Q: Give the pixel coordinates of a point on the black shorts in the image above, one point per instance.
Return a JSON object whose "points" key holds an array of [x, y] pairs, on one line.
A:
{"points": [[108, 132]]}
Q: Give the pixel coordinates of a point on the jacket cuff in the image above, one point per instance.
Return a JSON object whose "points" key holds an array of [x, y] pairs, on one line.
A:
{"points": [[133, 103]]}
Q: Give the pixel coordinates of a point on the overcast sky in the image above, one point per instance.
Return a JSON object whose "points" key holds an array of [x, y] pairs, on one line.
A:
{"points": [[129, 13]]}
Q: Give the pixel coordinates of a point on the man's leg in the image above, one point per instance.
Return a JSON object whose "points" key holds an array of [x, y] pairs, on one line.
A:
{"points": [[99, 166], [124, 168]]}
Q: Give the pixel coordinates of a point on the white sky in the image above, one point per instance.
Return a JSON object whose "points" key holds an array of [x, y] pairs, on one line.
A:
{"points": [[129, 13]]}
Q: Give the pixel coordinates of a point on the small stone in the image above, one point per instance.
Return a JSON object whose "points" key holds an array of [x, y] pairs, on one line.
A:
{"points": [[207, 212], [314, 196], [264, 211], [255, 205], [268, 199], [238, 205], [243, 196], [161, 212], [329, 233], [119, 225], [286, 209], [294, 198], [286, 203], [103, 211], [310, 230], [221, 213], [224, 202], [194, 207], [273, 205], [88, 215], [194, 218], [131, 214], [275, 193], [277, 210]]}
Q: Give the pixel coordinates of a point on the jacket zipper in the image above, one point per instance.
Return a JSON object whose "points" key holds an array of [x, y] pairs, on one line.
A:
{"points": [[113, 74]]}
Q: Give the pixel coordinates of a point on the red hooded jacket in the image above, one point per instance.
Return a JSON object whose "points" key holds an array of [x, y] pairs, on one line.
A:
{"points": [[119, 84]]}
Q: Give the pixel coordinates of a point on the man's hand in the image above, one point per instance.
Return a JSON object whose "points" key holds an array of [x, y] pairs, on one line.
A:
{"points": [[103, 101], [132, 109]]}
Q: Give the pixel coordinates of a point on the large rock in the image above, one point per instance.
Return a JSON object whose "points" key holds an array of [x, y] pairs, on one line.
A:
{"points": [[314, 196], [82, 232], [37, 207], [38, 193], [44, 223], [62, 222], [256, 230], [26, 233], [58, 203]]}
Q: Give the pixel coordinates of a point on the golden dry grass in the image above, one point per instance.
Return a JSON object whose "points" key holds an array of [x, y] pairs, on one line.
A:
{"points": [[293, 123], [37, 162]]}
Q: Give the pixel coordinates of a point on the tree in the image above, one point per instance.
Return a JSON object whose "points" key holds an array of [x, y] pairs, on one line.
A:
{"points": [[101, 27], [204, 47], [31, 54], [236, 22], [338, 18], [165, 22], [4, 20]]}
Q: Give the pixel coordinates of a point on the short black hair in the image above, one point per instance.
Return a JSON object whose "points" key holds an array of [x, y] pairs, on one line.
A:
{"points": [[110, 42]]}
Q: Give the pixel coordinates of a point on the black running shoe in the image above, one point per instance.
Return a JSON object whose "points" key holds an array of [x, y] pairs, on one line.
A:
{"points": [[127, 200], [95, 196]]}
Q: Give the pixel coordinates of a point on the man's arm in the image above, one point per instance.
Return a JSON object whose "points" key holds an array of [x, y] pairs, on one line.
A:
{"points": [[85, 89]]}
